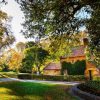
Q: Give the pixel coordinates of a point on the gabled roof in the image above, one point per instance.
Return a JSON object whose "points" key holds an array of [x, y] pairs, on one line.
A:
{"points": [[78, 51], [53, 66]]}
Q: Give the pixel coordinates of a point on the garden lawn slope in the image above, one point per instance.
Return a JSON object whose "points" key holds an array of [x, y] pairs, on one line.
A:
{"points": [[34, 91]]}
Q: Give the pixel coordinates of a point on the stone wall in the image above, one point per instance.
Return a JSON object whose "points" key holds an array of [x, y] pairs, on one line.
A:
{"points": [[52, 72]]}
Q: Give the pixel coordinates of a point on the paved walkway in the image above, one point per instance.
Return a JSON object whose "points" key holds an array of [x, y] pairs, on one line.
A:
{"points": [[38, 81]]}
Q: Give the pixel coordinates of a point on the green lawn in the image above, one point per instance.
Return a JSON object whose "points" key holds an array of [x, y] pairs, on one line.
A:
{"points": [[34, 91]]}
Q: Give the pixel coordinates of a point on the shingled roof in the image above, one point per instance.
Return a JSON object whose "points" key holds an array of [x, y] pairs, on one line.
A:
{"points": [[78, 51], [53, 66]]}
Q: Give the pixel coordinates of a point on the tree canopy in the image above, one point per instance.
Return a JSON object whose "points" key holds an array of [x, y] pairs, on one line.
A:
{"points": [[34, 57], [6, 37], [54, 16], [50, 17]]}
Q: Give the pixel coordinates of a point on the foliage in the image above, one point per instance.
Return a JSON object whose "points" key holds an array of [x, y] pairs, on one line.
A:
{"points": [[93, 27], [15, 61], [96, 78], [61, 45], [34, 91], [30, 44], [9, 74], [92, 87], [76, 68], [6, 37], [34, 57], [54, 17], [20, 46], [4, 67], [52, 78]]}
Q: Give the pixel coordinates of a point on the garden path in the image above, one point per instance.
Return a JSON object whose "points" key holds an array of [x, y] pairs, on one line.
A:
{"points": [[38, 81]]}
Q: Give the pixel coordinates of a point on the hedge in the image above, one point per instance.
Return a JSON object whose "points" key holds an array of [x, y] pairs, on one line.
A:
{"points": [[52, 78], [9, 74], [92, 87], [96, 78]]}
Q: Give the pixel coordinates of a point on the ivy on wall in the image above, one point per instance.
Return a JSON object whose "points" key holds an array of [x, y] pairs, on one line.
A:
{"points": [[76, 68]]}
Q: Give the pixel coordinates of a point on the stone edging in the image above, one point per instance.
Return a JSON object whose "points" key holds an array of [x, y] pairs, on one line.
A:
{"points": [[84, 95]]}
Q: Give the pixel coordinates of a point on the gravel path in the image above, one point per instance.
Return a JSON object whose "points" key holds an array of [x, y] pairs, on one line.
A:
{"points": [[38, 81]]}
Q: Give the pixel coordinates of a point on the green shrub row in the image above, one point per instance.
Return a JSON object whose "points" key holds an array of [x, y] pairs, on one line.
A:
{"points": [[96, 78], [76, 68], [52, 78], [92, 87], [9, 74]]}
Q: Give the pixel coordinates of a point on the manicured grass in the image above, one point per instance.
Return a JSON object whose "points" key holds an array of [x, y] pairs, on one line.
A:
{"points": [[34, 91]]}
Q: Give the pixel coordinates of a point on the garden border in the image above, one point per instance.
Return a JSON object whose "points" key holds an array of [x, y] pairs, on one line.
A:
{"points": [[83, 95]]}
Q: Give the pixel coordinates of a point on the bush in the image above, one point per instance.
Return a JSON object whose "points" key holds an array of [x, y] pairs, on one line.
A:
{"points": [[77, 68], [52, 78], [92, 87], [24, 76], [9, 74], [96, 78]]}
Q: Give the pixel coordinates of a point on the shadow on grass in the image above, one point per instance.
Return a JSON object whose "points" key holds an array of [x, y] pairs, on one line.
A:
{"points": [[35, 91]]}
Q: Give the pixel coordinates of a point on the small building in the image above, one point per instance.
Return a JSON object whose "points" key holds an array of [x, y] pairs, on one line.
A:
{"points": [[78, 54], [52, 69]]}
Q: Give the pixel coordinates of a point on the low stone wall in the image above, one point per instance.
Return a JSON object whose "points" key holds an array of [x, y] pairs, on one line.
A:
{"points": [[84, 95]]}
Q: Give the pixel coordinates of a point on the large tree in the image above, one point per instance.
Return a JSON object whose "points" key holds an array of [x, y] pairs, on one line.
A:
{"points": [[50, 17], [6, 37], [34, 57], [93, 27], [54, 16], [60, 16]]}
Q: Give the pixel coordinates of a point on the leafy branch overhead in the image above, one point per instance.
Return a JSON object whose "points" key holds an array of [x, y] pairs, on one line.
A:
{"points": [[53, 16], [50, 17]]}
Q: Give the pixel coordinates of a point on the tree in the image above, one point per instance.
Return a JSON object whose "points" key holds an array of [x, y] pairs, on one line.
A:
{"points": [[30, 44], [20, 46], [34, 58], [93, 27], [15, 60], [53, 16], [50, 17], [61, 45], [6, 37]]}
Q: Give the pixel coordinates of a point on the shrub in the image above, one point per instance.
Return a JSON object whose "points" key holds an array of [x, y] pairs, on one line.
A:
{"points": [[92, 87], [9, 74], [52, 78], [25, 76], [96, 78]]}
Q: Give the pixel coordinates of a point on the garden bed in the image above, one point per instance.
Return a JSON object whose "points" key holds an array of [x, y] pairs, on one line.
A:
{"points": [[92, 87]]}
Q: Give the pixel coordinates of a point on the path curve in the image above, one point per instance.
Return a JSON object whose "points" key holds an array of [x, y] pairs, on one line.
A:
{"points": [[38, 81]]}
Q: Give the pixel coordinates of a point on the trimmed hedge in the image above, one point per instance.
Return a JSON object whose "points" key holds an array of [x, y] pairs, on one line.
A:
{"points": [[52, 78], [92, 87], [96, 78], [9, 74]]}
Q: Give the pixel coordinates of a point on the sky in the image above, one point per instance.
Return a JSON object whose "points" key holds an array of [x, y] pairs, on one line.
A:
{"points": [[13, 10]]}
